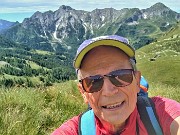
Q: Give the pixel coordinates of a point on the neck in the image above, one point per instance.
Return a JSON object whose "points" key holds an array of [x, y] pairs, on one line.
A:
{"points": [[114, 129]]}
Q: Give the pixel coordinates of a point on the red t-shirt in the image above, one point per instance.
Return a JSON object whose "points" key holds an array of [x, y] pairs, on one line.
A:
{"points": [[167, 110]]}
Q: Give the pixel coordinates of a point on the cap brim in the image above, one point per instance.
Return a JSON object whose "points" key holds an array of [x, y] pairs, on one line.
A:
{"points": [[109, 42]]}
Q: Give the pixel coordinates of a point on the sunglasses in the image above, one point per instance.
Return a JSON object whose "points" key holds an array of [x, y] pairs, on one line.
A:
{"points": [[119, 78]]}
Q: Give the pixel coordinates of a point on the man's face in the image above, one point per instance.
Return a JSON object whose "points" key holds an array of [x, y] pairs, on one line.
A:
{"points": [[111, 104]]}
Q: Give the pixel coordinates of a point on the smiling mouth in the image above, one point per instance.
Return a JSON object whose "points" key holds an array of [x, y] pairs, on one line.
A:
{"points": [[113, 106]]}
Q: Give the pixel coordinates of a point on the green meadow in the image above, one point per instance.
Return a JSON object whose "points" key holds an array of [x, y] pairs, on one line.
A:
{"points": [[159, 63], [38, 111], [30, 111]]}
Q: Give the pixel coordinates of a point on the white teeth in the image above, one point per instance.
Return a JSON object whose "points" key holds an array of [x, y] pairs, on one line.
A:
{"points": [[113, 106]]}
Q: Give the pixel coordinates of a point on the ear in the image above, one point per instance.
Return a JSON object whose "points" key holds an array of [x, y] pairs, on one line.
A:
{"points": [[138, 77], [82, 92]]}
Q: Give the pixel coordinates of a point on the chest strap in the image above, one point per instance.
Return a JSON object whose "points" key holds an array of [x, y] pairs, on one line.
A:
{"points": [[87, 123], [146, 110], [148, 115]]}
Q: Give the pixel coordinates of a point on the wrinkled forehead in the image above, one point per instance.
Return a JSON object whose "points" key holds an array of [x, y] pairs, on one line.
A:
{"points": [[104, 58], [104, 54]]}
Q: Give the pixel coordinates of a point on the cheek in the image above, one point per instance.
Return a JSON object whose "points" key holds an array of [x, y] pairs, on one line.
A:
{"points": [[93, 99], [131, 93], [133, 89]]}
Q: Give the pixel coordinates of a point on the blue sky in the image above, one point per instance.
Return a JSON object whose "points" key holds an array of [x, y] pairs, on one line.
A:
{"points": [[17, 10]]}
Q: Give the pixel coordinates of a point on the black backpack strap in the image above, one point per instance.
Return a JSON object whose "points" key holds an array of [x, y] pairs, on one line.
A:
{"points": [[148, 115], [79, 124]]}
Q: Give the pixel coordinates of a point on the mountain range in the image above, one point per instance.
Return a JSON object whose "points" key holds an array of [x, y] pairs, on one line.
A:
{"points": [[40, 50], [66, 28]]}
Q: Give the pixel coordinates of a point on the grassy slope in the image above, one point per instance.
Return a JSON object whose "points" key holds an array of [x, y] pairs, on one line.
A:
{"points": [[166, 66], [163, 73], [38, 111]]}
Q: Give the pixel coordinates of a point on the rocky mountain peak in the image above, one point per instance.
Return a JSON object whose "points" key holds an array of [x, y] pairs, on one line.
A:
{"points": [[66, 8], [159, 7], [37, 14], [159, 10], [67, 27]]}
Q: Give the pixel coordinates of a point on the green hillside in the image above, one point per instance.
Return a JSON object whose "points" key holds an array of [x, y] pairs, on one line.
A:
{"points": [[173, 33], [22, 66], [160, 60], [38, 111]]}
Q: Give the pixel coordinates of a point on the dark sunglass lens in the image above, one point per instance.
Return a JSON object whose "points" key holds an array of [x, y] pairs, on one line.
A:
{"points": [[96, 85], [114, 80], [87, 82], [127, 77], [92, 83], [122, 78]]}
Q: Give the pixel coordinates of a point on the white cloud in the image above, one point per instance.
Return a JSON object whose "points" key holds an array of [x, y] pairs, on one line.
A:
{"points": [[15, 6], [27, 1], [11, 6], [22, 9], [17, 10]]}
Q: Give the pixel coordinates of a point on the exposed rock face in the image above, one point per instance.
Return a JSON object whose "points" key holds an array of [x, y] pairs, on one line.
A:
{"points": [[66, 27]]}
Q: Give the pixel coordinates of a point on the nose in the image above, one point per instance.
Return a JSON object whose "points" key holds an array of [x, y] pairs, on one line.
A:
{"points": [[108, 88]]}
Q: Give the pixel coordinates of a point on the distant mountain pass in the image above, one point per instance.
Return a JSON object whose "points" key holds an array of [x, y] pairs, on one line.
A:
{"points": [[6, 24]]}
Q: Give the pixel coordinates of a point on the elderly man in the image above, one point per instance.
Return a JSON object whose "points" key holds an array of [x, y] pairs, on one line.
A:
{"points": [[109, 83]]}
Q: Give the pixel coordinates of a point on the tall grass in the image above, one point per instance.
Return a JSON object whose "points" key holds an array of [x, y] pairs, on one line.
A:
{"points": [[40, 111], [168, 91]]}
